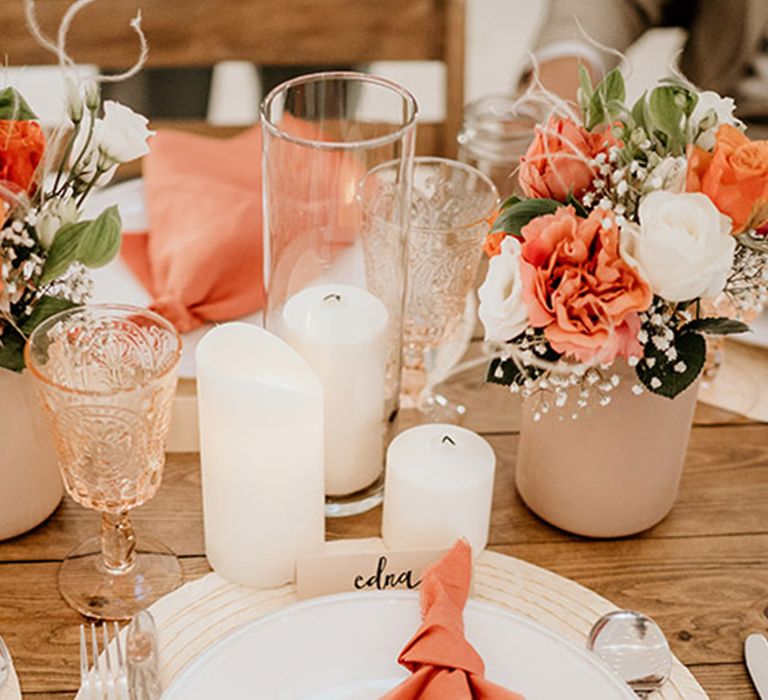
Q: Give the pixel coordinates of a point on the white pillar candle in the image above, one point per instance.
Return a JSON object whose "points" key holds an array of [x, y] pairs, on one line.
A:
{"points": [[261, 450], [341, 332], [438, 488]]}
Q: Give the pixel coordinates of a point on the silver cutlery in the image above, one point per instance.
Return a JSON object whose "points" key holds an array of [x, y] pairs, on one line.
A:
{"points": [[143, 659], [5, 664], [756, 656], [107, 678], [634, 646]]}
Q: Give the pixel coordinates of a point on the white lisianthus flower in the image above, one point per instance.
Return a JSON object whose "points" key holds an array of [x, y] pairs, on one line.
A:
{"points": [[709, 113], [56, 213], [683, 246], [121, 136], [669, 175], [502, 308]]}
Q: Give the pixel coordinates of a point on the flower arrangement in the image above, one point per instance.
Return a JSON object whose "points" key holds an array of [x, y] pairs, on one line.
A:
{"points": [[46, 247], [638, 223]]}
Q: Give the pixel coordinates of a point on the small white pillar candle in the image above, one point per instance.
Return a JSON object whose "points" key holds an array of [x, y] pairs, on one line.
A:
{"points": [[438, 488], [261, 451], [341, 332]]}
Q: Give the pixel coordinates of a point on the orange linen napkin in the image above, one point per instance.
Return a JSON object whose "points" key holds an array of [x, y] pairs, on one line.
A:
{"points": [[444, 664], [201, 259]]}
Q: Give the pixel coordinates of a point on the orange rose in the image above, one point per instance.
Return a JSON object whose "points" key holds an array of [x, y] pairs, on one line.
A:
{"points": [[579, 289], [557, 162], [734, 176], [21, 149]]}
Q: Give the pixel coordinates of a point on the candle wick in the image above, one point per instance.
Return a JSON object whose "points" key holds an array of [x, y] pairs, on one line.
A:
{"points": [[448, 438], [334, 296]]}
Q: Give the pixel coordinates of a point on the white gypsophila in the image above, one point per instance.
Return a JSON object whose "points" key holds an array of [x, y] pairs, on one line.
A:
{"points": [[55, 214], [710, 112], [121, 136], [502, 310], [669, 175], [683, 246]]}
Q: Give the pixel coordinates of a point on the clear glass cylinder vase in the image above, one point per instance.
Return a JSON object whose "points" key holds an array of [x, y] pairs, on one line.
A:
{"points": [[336, 241]]}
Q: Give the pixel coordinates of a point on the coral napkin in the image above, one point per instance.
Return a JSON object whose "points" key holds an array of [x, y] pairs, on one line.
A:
{"points": [[201, 260], [444, 664]]}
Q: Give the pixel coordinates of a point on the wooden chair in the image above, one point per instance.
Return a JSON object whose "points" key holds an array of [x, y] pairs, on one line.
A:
{"points": [[266, 32]]}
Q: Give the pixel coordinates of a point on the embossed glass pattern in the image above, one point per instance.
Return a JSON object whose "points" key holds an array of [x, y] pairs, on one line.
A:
{"points": [[450, 210], [107, 377]]}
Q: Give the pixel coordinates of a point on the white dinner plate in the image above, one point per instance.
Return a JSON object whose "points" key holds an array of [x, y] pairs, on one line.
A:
{"points": [[345, 647], [115, 282]]}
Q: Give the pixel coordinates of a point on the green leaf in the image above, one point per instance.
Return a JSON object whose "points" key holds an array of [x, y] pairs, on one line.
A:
{"points": [[577, 205], [45, 307], [502, 371], [93, 243], [667, 114], [607, 102], [12, 350], [509, 201], [691, 350], [14, 106], [612, 87], [716, 326], [585, 89], [100, 242], [640, 112], [513, 218], [63, 251]]}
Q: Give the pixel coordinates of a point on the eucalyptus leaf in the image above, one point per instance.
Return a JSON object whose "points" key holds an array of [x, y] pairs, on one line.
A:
{"points": [[513, 218], [716, 326], [585, 89], [94, 243], [44, 308], [667, 114], [13, 106], [100, 242], [607, 101]]}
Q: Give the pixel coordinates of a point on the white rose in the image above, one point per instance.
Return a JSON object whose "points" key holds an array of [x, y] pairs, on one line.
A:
{"points": [[121, 136], [709, 113], [55, 214], [683, 246], [502, 309], [669, 175]]}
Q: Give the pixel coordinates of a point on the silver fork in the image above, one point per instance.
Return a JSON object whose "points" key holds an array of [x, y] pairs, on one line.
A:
{"points": [[108, 676]]}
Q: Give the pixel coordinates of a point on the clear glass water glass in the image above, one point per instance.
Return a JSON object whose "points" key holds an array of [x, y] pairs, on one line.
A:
{"points": [[106, 375], [451, 208], [336, 286]]}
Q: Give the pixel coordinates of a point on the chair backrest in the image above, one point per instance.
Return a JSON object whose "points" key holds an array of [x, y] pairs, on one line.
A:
{"points": [[267, 32]]}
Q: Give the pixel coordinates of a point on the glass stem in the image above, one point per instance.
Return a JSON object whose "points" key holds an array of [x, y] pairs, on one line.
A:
{"points": [[118, 542], [414, 379]]}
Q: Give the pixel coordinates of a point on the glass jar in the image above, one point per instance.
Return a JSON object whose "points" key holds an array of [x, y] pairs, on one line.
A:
{"points": [[495, 133]]}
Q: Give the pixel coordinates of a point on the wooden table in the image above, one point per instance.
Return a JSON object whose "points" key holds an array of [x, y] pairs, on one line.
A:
{"points": [[702, 573]]}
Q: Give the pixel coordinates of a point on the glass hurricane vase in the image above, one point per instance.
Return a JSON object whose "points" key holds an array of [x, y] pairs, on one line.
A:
{"points": [[106, 375]]}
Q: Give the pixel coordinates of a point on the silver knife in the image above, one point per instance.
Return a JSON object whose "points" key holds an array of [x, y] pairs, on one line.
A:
{"points": [[143, 658], [756, 655]]}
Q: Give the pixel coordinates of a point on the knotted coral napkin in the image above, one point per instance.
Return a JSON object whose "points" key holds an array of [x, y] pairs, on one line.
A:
{"points": [[444, 664], [201, 259]]}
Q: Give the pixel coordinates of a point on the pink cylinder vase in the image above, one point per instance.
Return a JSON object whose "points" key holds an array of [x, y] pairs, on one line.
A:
{"points": [[613, 470], [30, 482]]}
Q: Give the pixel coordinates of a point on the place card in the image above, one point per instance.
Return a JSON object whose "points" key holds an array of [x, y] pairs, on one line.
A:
{"points": [[375, 570]]}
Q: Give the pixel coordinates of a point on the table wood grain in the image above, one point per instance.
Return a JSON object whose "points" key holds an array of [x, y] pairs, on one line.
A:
{"points": [[702, 572]]}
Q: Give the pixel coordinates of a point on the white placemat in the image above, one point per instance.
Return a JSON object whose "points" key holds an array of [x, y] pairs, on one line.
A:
{"points": [[202, 612], [11, 690]]}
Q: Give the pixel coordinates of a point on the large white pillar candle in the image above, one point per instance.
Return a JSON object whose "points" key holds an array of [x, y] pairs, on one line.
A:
{"points": [[438, 487], [261, 450], [341, 332]]}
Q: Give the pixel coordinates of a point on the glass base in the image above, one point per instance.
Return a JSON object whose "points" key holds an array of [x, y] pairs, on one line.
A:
{"points": [[355, 503], [88, 587]]}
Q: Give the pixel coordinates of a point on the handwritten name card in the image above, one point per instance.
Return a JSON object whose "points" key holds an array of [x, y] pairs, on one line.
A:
{"points": [[376, 570]]}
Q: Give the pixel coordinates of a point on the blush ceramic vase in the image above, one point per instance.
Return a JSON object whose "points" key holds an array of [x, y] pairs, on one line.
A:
{"points": [[614, 470], [30, 482]]}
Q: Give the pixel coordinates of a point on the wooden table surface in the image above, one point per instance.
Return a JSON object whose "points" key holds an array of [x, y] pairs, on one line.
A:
{"points": [[702, 573]]}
